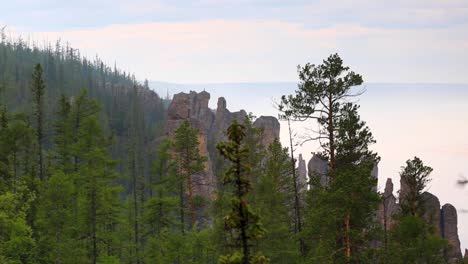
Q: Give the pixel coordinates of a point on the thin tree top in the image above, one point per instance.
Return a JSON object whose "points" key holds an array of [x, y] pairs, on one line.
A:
{"points": [[320, 89]]}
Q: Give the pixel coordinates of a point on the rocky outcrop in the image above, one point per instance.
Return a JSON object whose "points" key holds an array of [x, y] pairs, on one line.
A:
{"points": [[404, 189], [211, 127], [431, 210], [270, 128], [443, 220], [318, 169], [194, 108], [302, 174], [449, 230], [223, 119], [389, 207]]}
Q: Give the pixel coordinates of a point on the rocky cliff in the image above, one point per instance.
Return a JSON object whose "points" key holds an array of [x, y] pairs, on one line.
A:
{"points": [[449, 229], [318, 169], [211, 125], [302, 174], [388, 208]]}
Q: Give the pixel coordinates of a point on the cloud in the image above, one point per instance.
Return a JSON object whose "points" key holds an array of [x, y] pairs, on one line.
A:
{"points": [[269, 50], [59, 15]]}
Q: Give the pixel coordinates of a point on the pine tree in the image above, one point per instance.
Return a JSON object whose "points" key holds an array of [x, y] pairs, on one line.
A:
{"points": [[190, 163], [245, 225], [341, 214], [415, 177], [161, 208], [413, 239], [55, 221], [38, 91], [63, 136], [321, 96], [323, 88], [98, 195], [274, 196], [82, 108]]}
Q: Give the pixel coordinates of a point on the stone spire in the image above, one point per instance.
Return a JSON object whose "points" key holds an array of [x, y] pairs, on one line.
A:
{"points": [[302, 173]]}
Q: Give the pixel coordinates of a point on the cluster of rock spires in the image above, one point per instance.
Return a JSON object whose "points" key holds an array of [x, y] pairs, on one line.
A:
{"points": [[212, 125], [444, 218]]}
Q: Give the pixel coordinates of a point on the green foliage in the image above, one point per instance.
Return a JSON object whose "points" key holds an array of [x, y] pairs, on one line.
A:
{"points": [[413, 239], [321, 92], [411, 242], [16, 159], [38, 91], [190, 163], [415, 175], [55, 220], [339, 215], [243, 224], [98, 195], [84, 211], [273, 196], [17, 244]]}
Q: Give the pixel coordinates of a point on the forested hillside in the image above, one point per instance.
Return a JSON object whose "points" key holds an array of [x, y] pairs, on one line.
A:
{"points": [[94, 169], [127, 109]]}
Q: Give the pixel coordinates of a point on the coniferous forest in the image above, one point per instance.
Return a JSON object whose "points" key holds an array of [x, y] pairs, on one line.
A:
{"points": [[89, 174]]}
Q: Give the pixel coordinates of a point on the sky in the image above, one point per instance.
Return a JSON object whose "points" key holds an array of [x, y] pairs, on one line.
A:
{"points": [[418, 42]]}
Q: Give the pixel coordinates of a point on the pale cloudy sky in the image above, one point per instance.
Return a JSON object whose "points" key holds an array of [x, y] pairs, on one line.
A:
{"points": [[409, 41]]}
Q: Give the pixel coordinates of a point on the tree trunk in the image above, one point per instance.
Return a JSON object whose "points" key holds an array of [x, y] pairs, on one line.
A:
{"points": [[181, 204], [297, 213], [331, 135], [244, 221], [94, 224], [192, 205], [347, 238]]}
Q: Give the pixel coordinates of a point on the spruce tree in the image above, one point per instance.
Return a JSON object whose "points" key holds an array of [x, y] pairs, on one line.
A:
{"points": [[98, 195], [38, 92], [243, 224], [63, 136], [55, 221], [274, 196]]}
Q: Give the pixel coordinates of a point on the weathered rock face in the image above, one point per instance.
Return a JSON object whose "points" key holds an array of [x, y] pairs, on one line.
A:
{"points": [[302, 174], [270, 127], [404, 189], [465, 258], [194, 107], [318, 168], [449, 229], [389, 207], [431, 206], [211, 126], [223, 119]]}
